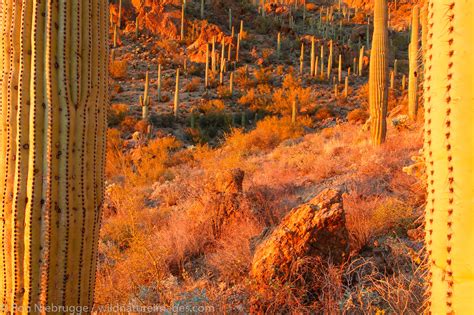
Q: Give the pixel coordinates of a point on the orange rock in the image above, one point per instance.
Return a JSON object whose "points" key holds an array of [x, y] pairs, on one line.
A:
{"points": [[315, 229]]}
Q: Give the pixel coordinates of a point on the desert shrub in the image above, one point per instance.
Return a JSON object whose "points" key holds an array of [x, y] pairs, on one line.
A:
{"points": [[213, 124], [263, 75], [128, 124], [258, 98], [212, 106], [192, 85], [232, 256], [223, 91], [268, 133], [283, 98], [117, 114], [142, 126], [370, 217], [150, 160], [264, 24], [242, 79], [324, 113], [118, 69], [357, 116]]}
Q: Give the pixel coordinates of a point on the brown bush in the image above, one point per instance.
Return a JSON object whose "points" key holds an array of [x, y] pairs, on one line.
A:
{"points": [[118, 69]]}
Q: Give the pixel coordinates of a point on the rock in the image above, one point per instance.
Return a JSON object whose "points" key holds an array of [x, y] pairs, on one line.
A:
{"points": [[316, 229], [224, 198], [197, 50], [400, 121]]}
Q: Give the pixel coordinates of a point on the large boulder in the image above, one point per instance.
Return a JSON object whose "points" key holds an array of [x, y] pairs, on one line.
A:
{"points": [[315, 229]]}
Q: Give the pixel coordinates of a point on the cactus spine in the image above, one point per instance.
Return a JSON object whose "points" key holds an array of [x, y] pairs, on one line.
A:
{"points": [[448, 151], [52, 150], [378, 75], [413, 58]]}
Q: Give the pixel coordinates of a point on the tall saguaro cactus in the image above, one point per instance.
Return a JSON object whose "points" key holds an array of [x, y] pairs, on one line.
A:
{"points": [[413, 57], [449, 152], [378, 76], [52, 148]]}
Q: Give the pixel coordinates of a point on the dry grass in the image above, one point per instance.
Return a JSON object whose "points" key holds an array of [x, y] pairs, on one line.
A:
{"points": [[158, 242]]}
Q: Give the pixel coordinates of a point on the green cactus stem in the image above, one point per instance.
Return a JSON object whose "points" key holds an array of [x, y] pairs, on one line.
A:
{"points": [[176, 95], [279, 45], [339, 69], [158, 84], [183, 14], [206, 75], [346, 86], [237, 48], [413, 65], [302, 59], [378, 75], [361, 60], [313, 54]]}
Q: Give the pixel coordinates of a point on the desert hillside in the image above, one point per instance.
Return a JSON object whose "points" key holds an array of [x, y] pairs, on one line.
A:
{"points": [[251, 184]]}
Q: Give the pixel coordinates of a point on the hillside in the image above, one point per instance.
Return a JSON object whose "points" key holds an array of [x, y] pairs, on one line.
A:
{"points": [[200, 192]]}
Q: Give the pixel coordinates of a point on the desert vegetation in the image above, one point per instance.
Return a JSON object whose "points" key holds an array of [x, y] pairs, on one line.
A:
{"points": [[288, 157]]}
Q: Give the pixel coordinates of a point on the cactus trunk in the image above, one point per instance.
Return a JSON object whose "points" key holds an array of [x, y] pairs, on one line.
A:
{"points": [[413, 57], [52, 150], [448, 150], [378, 76], [176, 95]]}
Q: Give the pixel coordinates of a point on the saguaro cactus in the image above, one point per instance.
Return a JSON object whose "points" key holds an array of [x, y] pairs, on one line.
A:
{"points": [[176, 95], [449, 152], [145, 99], [378, 75], [413, 56], [52, 149]]}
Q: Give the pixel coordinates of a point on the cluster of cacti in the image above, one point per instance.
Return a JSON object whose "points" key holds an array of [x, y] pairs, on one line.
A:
{"points": [[53, 121], [448, 152], [378, 75]]}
